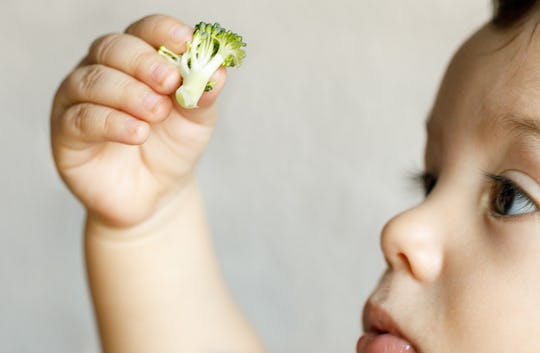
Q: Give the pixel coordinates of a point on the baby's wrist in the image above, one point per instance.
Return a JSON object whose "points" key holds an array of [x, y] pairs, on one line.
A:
{"points": [[165, 214]]}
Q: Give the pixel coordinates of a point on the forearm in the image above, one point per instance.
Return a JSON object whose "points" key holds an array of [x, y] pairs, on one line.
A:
{"points": [[157, 287]]}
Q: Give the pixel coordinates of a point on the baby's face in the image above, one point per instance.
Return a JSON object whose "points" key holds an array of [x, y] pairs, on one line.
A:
{"points": [[464, 265]]}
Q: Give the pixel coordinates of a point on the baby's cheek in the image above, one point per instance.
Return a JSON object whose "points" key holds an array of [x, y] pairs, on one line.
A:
{"points": [[493, 306]]}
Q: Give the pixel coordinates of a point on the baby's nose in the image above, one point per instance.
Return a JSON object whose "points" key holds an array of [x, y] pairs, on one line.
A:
{"points": [[413, 242]]}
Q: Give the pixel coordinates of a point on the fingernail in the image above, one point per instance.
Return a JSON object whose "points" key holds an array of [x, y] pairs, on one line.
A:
{"points": [[134, 126], [179, 33], [150, 100]]}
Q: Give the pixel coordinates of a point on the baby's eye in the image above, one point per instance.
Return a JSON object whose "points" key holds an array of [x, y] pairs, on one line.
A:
{"points": [[507, 199]]}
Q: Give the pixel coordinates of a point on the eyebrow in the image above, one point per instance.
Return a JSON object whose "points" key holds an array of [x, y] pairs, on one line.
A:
{"points": [[522, 125]]}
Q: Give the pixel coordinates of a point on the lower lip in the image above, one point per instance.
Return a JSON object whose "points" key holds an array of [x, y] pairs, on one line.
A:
{"points": [[383, 343]]}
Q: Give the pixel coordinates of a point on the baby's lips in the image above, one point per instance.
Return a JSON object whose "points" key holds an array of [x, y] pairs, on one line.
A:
{"points": [[383, 343], [382, 333]]}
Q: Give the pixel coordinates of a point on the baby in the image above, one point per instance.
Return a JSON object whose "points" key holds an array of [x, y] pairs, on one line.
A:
{"points": [[462, 265]]}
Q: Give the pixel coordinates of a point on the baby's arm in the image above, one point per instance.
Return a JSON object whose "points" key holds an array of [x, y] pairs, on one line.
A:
{"points": [[128, 152]]}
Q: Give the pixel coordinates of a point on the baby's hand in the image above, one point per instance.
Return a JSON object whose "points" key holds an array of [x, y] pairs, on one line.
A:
{"points": [[120, 141]]}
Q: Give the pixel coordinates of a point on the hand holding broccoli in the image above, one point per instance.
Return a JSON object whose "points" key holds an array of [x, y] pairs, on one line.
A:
{"points": [[120, 142]]}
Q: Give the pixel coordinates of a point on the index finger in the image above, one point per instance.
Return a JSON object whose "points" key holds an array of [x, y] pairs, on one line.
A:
{"points": [[158, 30]]}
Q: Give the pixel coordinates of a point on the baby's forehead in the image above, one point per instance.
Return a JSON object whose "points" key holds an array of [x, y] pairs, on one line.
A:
{"points": [[495, 73], [505, 60]]}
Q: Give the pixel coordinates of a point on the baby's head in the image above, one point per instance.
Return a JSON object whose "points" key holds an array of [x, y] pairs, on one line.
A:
{"points": [[464, 265]]}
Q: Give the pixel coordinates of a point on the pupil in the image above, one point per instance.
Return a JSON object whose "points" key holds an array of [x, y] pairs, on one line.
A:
{"points": [[505, 199]]}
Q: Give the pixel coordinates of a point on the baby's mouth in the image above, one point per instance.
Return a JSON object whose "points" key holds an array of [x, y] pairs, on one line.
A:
{"points": [[382, 335], [372, 342]]}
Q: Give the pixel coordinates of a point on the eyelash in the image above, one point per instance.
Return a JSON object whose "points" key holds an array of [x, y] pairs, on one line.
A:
{"points": [[425, 181], [500, 187]]}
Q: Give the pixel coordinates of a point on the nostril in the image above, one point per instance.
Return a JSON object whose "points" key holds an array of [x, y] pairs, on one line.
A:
{"points": [[405, 260]]}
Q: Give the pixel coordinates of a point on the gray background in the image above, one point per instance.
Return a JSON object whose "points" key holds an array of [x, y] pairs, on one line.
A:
{"points": [[319, 132]]}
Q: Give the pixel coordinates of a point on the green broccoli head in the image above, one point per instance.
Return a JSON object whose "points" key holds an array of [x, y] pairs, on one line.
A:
{"points": [[212, 46]]}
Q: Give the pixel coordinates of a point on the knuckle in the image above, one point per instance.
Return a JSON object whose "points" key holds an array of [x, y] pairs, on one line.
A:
{"points": [[107, 123], [102, 47], [90, 77], [76, 118], [139, 61], [126, 89]]}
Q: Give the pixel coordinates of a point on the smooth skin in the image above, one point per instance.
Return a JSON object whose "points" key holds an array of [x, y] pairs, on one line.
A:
{"points": [[464, 265], [128, 152]]}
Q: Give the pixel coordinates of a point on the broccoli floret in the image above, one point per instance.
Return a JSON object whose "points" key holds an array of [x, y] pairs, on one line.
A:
{"points": [[211, 47]]}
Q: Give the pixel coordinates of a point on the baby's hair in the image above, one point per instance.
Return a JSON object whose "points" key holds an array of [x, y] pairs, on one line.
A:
{"points": [[509, 12]]}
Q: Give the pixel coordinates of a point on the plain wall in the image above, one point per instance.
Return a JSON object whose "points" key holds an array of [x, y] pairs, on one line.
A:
{"points": [[319, 132]]}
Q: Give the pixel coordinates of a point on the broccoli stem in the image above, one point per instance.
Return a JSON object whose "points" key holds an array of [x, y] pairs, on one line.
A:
{"points": [[169, 55], [194, 83]]}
